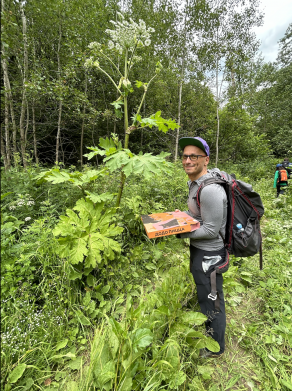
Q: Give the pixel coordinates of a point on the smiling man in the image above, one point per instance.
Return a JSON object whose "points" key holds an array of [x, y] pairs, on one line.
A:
{"points": [[207, 249]]}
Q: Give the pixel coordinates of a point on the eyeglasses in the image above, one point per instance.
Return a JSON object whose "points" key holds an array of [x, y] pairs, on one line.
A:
{"points": [[193, 158]]}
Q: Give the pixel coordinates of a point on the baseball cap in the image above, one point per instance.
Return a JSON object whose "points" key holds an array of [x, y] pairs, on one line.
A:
{"points": [[278, 165], [196, 141]]}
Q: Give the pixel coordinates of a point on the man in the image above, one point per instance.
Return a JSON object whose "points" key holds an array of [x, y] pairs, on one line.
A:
{"points": [[281, 179], [206, 245]]}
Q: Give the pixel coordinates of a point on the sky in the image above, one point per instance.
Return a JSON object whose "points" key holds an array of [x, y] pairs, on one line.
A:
{"points": [[278, 15]]}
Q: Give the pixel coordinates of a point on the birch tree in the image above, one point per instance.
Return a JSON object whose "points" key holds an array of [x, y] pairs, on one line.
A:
{"points": [[227, 35]]}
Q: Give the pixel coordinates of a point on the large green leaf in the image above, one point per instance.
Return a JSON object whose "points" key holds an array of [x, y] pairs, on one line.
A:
{"points": [[58, 177], [193, 318], [117, 160], [212, 345], [17, 373], [141, 338], [82, 319], [97, 198], [146, 165], [156, 120], [75, 364], [85, 234], [78, 250], [61, 344], [173, 353], [109, 144], [108, 373], [96, 151]]}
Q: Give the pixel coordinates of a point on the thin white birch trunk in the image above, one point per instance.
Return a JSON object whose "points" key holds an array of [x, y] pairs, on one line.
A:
{"points": [[82, 127], [179, 108], [181, 81], [5, 150], [34, 134], [27, 122], [9, 94], [23, 103], [60, 101], [59, 131]]}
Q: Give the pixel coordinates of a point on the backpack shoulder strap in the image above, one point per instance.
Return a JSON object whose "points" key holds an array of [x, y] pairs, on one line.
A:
{"points": [[219, 180], [210, 181]]}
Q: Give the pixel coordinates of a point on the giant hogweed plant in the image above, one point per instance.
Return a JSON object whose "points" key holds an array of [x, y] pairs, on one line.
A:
{"points": [[126, 39], [86, 235]]}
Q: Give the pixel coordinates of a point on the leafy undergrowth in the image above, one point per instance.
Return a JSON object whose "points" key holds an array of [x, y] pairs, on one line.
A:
{"points": [[259, 319], [135, 324]]}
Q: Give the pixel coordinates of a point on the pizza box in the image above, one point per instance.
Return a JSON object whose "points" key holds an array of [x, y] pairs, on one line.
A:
{"points": [[168, 223]]}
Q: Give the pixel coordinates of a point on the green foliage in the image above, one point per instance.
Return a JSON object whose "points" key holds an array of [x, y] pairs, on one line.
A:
{"points": [[139, 298], [118, 158], [85, 236], [155, 120], [239, 139], [79, 179]]}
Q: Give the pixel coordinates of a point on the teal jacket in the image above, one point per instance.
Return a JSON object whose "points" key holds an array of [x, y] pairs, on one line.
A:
{"points": [[276, 178]]}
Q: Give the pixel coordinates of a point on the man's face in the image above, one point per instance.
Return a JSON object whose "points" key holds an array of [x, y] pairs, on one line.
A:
{"points": [[195, 169]]}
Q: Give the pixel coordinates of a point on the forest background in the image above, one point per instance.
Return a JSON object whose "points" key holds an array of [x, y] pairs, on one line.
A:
{"points": [[95, 96], [53, 107]]}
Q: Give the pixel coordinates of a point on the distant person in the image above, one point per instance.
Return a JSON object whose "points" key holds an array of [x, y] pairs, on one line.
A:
{"points": [[287, 165], [280, 179]]}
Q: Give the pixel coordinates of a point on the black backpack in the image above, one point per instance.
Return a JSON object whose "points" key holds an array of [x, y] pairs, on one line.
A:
{"points": [[245, 207]]}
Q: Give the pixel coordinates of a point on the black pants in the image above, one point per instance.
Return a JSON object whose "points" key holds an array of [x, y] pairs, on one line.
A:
{"points": [[216, 323], [280, 190]]}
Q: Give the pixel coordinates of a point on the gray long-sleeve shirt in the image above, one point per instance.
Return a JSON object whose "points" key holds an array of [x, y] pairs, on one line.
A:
{"points": [[211, 214]]}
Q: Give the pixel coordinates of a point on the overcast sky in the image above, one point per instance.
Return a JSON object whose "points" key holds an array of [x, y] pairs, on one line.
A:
{"points": [[278, 15]]}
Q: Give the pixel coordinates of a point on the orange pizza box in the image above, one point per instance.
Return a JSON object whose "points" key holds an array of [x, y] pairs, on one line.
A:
{"points": [[168, 223]]}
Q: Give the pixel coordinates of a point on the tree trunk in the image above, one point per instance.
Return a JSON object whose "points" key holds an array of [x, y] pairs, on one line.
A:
{"points": [[82, 128], [27, 122], [181, 79], [144, 111], [8, 94], [7, 140], [5, 151], [23, 103], [179, 106], [58, 140], [34, 135], [59, 131]]}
